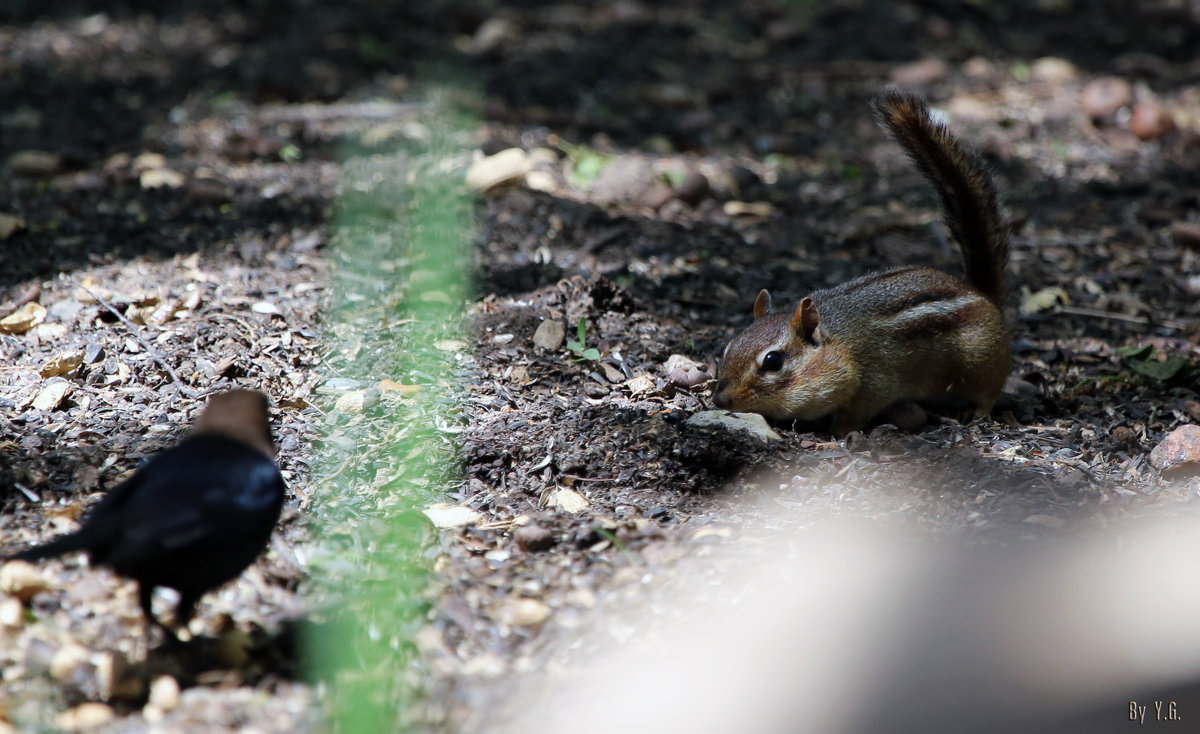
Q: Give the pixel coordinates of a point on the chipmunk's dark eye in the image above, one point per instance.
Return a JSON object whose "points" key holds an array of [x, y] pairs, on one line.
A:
{"points": [[772, 361]]}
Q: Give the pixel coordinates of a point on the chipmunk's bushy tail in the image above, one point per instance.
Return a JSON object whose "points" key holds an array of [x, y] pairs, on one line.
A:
{"points": [[964, 184]]}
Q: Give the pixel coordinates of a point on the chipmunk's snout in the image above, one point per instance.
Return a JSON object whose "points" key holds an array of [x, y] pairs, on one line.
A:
{"points": [[721, 396]]}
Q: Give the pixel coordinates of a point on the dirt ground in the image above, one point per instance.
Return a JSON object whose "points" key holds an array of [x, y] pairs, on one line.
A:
{"points": [[185, 170]]}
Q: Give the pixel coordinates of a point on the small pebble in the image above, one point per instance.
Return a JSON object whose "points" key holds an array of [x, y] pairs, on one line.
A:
{"points": [[1151, 120], [70, 661], [549, 335], [1186, 235], [164, 693], [11, 612], [10, 225], [693, 188], [1052, 69], [1179, 452], [524, 613], [657, 195], [35, 163], [532, 538], [1193, 409], [743, 178], [657, 512], [921, 73], [1102, 97], [752, 423], [1124, 436], [208, 191], [625, 178], [685, 372]]}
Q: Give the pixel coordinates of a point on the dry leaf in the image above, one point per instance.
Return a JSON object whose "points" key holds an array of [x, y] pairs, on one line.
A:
{"points": [[62, 363], [387, 386], [569, 500], [708, 531], [23, 319], [1043, 300], [161, 315], [10, 225], [640, 386]]}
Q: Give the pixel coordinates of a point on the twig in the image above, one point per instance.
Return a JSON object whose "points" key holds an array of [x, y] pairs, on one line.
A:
{"points": [[30, 293], [1093, 313], [325, 113], [33, 496], [154, 353]]}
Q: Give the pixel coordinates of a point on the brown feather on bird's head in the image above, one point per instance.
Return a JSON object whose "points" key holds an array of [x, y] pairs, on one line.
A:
{"points": [[239, 414]]}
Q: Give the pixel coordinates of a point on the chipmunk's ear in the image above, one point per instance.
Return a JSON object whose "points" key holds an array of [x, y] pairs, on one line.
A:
{"points": [[762, 304], [805, 320]]}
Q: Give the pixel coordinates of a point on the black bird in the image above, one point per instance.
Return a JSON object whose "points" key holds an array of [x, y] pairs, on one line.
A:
{"points": [[195, 515]]}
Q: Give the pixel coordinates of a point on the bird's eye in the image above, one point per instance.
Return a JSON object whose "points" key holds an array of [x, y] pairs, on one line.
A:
{"points": [[772, 362]]}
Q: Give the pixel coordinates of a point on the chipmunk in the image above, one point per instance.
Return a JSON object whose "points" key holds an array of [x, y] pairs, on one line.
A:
{"points": [[908, 333]]}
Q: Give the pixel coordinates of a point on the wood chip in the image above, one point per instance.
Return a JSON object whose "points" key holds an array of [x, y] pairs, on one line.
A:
{"points": [[51, 396], [35, 163], [156, 178], [759, 209], [451, 516], [524, 612], [86, 716], [507, 166], [62, 363], [22, 580], [709, 531]]}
